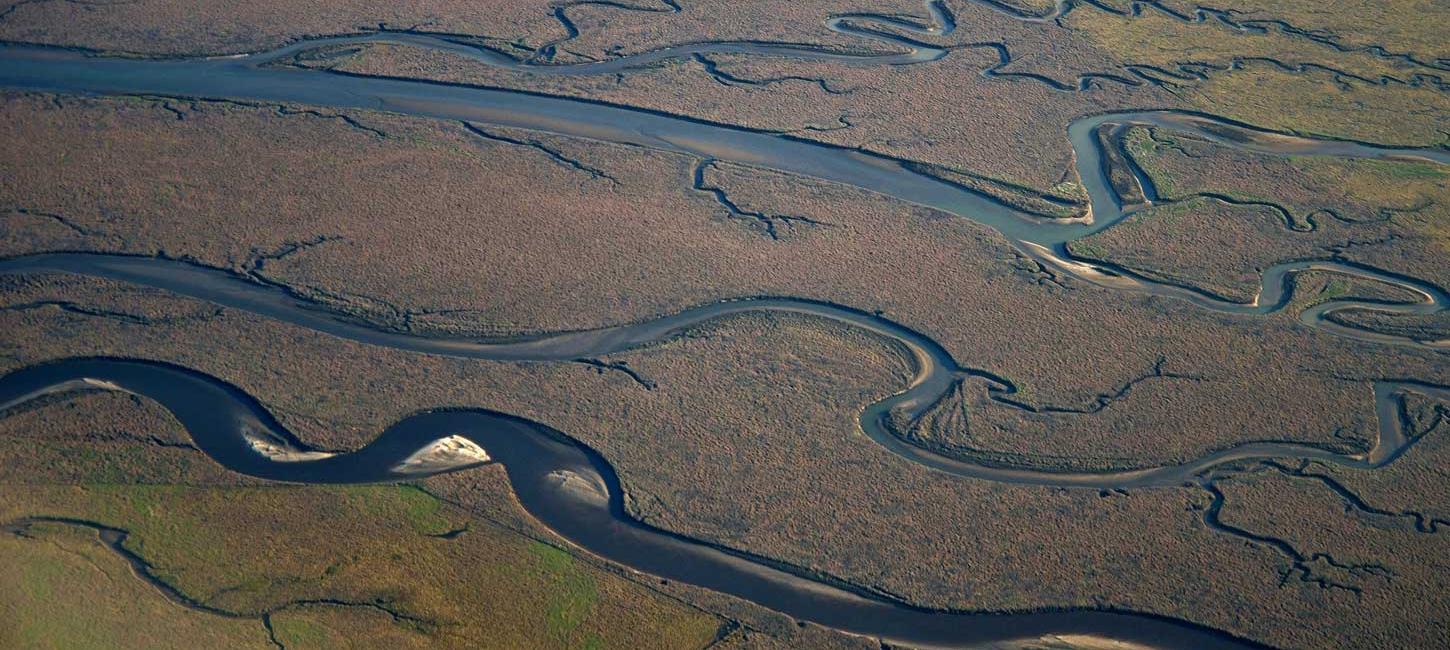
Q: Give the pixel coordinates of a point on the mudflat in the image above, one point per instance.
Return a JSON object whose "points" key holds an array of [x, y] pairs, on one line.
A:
{"points": [[694, 325]]}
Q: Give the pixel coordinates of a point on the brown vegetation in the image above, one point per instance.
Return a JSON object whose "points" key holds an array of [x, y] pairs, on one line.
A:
{"points": [[366, 567], [1231, 214], [741, 432], [753, 419]]}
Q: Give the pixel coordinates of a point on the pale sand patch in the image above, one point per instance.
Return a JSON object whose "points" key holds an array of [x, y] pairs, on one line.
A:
{"points": [[443, 454], [263, 443], [585, 487]]}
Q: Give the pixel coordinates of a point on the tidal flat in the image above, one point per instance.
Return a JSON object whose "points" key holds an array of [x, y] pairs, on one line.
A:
{"points": [[923, 324]]}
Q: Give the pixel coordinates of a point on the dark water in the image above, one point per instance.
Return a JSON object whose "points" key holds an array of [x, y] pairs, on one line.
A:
{"points": [[249, 78], [243, 78], [935, 371], [569, 487], [574, 492]]}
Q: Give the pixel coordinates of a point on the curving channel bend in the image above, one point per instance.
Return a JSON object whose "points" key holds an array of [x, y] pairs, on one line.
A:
{"points": [[862, 25], [572, 490], [569, 487], [935, 370], [249, 78], [575, 492]]}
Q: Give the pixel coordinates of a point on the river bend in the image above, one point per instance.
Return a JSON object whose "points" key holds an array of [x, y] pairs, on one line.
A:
{"points": [[569, 487], [573, 491]]}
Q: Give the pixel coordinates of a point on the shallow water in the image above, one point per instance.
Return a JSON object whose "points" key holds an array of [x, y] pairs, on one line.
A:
{"points": [[574, 492], [569, 487]]}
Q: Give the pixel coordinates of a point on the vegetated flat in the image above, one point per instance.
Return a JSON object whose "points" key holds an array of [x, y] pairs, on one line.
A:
{"points": [[255, 564], [456, 244], [741, 432], [748, 440], [57, 574], [1007, 127], [1242, 212]]}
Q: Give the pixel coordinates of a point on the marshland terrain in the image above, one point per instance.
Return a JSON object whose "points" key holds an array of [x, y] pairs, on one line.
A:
{"points": [[738, 325]]}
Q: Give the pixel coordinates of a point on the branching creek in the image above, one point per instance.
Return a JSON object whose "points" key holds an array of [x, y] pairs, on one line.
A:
{"points": [[572, 489], [114, 539]]}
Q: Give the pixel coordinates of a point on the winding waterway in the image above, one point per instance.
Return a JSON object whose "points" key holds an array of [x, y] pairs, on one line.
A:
{"points": [[935, 370], [910, 51], [567, 486], [249, 79], [574, 492]]}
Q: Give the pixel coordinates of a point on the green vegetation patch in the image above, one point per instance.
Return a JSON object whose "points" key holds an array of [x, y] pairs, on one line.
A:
{"points": [[1155, 38], [574, 591], [60, 587], [1412, 26], [372, 548], [1268, 84], [1317, 104]]}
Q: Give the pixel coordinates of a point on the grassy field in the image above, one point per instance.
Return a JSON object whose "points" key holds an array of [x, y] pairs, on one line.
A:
{"points": [[1352, 94], [457, 245], [57, 575], [1399, 26], [748, 440], [1386, 214], [363, 567], [171, 27], [743, 432], [257, 551]]}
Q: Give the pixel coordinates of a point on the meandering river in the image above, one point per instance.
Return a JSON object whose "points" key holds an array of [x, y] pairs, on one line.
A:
{"points": [[574, 492], [567, 486]]}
